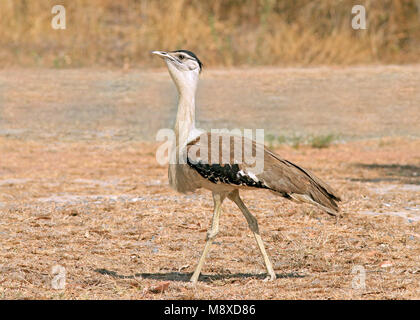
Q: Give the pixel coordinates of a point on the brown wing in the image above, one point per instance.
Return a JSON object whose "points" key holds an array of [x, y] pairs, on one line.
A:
{"points": [[217, 161], [280, 176]]}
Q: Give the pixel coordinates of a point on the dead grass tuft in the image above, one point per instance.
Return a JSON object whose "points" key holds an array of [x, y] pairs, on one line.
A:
{"points": [[303, 32]]}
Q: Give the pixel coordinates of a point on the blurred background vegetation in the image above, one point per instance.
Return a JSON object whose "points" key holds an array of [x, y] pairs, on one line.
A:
{"points": [[121, 33]]}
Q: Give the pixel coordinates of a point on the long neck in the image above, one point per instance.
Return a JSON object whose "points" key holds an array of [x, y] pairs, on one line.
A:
{"points": [[185, 118]]}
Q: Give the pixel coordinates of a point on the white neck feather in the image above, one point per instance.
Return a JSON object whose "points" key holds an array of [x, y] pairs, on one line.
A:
{"points": [[186, 83], [185, 119]]}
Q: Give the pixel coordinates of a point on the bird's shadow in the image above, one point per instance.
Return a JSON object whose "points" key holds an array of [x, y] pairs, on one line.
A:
{"points": [[185, 276], [395, 172]]}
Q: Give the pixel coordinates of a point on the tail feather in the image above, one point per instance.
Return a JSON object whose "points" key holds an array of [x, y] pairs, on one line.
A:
{"points": [[319, 194], [331, 208], [297, 183]]}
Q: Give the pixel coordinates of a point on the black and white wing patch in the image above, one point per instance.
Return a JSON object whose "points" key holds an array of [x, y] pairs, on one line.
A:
{"points": [[226, 174]]}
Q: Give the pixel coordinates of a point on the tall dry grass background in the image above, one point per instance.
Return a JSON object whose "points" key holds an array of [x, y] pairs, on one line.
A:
{"points": [[224, 32]]}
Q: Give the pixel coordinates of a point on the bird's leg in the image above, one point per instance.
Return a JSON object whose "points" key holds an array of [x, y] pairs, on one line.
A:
{"points": [[211, 234], [253, 225]]}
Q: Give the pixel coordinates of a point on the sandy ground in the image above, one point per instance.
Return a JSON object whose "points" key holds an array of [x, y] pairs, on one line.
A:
{"points": [[80, 186]]}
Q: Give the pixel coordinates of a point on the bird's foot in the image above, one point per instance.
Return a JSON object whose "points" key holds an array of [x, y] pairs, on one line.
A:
{"points": [[194, 279], [191, 284], [270, 277]]}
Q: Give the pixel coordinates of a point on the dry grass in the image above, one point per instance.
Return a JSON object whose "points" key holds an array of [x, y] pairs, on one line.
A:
{"points": [[263, 32], [78, 188], [104, 211]]}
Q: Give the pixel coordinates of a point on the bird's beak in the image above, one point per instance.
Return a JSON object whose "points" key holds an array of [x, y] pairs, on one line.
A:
{"points": [[161, 54]]}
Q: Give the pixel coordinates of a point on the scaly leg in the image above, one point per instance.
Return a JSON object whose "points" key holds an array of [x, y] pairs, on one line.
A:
{"points": [[211, 234], [253, 225]]}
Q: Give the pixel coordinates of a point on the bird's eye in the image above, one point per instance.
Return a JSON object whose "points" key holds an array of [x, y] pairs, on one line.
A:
{"points": [[181, 56]]}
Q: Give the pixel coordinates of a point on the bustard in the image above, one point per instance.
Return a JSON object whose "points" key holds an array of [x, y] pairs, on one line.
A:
{"points": [[225, 180]]}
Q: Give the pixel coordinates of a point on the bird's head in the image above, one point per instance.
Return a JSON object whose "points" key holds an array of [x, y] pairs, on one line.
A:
{"points": [[184, 67]]}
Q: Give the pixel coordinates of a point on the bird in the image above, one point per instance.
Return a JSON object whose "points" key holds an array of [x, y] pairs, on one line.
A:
{"points": [[191, 169]]}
